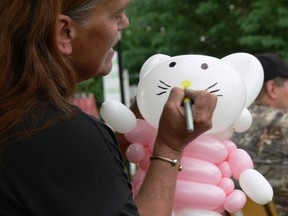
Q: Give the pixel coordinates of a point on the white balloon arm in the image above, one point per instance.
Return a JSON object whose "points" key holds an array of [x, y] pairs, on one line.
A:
{"points": [[119, 117]]}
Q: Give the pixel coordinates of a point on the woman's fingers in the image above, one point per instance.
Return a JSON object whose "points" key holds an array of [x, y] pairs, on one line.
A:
{"points": [[173, 124]]}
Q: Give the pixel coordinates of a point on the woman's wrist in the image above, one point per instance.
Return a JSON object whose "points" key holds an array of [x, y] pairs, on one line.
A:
{"points": [[172, 161], [164, 150]]}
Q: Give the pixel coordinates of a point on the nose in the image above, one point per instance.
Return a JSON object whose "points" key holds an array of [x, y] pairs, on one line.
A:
{"points": [[185, 84], [124, 23]]}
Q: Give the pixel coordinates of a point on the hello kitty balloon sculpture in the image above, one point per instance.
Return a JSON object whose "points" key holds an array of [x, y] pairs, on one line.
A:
{"points": [[210, 162]]}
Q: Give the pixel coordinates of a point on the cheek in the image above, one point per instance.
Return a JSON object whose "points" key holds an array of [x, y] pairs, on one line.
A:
{"points": [[285, 92], [283, 98]]}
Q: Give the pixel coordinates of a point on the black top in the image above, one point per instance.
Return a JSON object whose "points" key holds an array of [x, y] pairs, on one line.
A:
{"points": [[73, 168]]}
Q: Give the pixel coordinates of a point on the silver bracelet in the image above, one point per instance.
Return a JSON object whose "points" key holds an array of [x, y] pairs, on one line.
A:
{"points": [[173, 162]]}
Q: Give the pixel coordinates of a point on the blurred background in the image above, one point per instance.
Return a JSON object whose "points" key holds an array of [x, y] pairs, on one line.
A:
{"points": [[176, 27]]}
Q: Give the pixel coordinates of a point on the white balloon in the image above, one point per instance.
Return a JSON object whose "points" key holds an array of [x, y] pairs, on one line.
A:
{"points": [[244, 121], [255, 185], [223, 135], [153, 60], [118, 116], [198, 212], [244, 63]]}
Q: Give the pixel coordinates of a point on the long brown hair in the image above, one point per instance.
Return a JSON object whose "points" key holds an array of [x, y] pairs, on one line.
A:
{"points": [[32, 71]]}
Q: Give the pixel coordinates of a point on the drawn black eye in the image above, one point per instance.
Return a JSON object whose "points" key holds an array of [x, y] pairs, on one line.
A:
{"points": [[172, 64], [204, 66]]}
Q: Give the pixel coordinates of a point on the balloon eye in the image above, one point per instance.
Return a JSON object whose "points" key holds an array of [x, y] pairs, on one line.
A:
{"points": [[204, 66], [172, 64]]}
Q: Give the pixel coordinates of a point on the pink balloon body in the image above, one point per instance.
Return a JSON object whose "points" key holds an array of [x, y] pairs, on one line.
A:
{"points": [[199, 171], [198, 195], [235, 201], [206, 148], [239, 161], [208, 164]]}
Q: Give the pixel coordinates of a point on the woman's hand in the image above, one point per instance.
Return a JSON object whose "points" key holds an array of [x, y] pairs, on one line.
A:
{"points": [[172, 129]]}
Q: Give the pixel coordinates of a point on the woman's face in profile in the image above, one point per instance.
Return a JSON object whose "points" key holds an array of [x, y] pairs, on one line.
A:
{"points": [[92, 47]]}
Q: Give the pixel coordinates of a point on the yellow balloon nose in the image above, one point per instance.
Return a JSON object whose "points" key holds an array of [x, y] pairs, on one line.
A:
{"points": [[185, 84]]}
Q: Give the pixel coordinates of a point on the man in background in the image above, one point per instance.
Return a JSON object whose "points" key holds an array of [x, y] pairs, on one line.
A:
{"points": [[267, 139]]}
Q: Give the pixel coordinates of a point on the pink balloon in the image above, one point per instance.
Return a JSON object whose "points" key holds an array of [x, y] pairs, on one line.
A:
{"points": [[137, 181], [239, 161], [229, 145], [135, 152], [144, 164], [199, 171], [135, 189], [197, 212], [151, 144], [206, 148], [138, 178], [225, 169], [220, 210], [142, 133], [235, 201], [227, 185], [198, 195]]}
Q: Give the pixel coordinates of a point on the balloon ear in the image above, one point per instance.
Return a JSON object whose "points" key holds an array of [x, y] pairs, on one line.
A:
{"points": [[251, 71], [152, 61]]}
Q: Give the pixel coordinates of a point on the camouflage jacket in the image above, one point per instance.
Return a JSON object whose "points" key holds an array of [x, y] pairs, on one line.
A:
{"points": [[266, 141]]}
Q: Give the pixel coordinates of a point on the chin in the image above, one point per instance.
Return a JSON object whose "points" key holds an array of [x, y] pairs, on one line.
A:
{"points": [[102, 71], [105, 70]]}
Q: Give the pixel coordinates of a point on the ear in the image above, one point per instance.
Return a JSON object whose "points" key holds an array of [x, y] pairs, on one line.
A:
{"points": [[152, 61], [270, 88], [64, 34], [251, 71]]}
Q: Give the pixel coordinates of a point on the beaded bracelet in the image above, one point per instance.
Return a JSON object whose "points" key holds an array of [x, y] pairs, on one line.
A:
{"points": [[173, 162]]}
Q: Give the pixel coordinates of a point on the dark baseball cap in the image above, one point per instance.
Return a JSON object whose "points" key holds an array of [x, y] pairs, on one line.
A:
{"points": [[273, 66]]}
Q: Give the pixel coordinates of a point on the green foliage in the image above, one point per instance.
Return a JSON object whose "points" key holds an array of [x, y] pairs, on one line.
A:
{"points": [[211, 27], [95, 86]]}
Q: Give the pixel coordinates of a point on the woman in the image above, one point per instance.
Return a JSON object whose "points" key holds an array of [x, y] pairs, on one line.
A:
{"points": [[55, 159]]}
